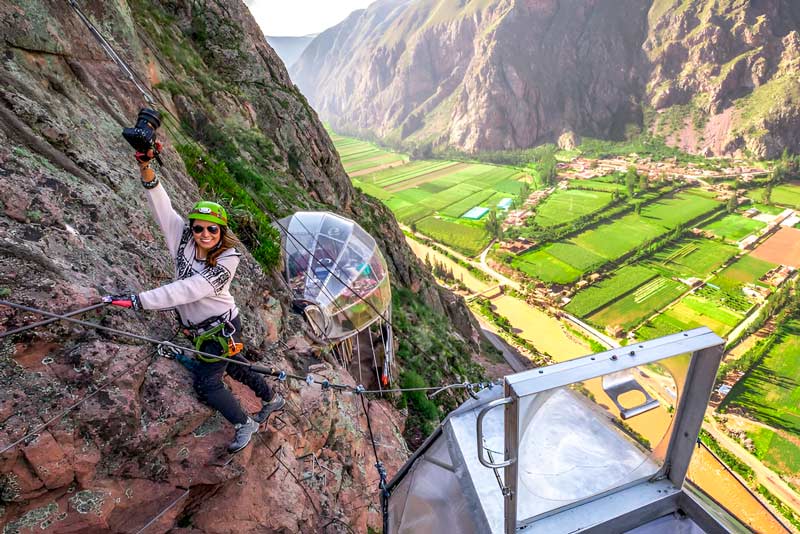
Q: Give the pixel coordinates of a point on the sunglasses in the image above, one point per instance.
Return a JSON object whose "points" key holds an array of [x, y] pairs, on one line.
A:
{"points": [[213, 229]]}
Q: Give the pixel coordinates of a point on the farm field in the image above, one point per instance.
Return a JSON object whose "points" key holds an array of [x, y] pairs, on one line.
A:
{"points": [[360, 155], [780, 450], [784, 195], [433, 196], [633, 308], [770, 392], [566, 205], [693, 311], [746, 270], [601, 293], [692, 257], [782, 248], [612, 240], [734, 227]]}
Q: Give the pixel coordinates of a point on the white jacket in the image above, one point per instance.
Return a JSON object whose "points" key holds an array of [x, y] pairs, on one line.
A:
{"points": [[199, 291]]}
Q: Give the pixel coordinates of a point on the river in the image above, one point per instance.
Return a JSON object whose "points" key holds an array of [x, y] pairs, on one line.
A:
{"points": [[550, 335]]}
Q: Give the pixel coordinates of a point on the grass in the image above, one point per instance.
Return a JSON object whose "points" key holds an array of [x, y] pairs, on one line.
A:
{"points": [[782, 195], [616, 238], [694, 311], [630, 310], [678, 209], [542, 265], [692, 257], [605, 291], [770, 392], [734, 227], [469, 240], [746, 270], [567, 205], [778, 452]]}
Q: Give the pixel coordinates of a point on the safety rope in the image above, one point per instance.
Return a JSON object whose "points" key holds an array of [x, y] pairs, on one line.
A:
{"points": [[100, 387], [131, 74], [381, 471], [111, 52], [51, 320], [165, 510], [271, 371]]}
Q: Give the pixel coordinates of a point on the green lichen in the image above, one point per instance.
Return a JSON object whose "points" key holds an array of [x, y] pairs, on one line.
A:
{"points": [[9, 488], [37, 516], [88, 501], [210, 425]]}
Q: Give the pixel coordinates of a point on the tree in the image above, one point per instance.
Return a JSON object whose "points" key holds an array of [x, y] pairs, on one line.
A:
{"points": [[767, 195], [733, 203], [642, 182], [547, 169], [637, 207], [493, 225], [630, 180], [524, 192]]}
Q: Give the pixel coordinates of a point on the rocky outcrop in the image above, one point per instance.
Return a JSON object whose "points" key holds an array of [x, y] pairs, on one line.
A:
{"points": [[723, 76], [134, 445], [503, 74]]}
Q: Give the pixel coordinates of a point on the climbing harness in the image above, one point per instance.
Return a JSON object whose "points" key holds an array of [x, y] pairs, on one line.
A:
{"points": [[222, 334]]}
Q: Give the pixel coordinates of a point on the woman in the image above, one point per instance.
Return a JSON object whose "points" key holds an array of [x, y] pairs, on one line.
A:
{"points": [[205, 264]]}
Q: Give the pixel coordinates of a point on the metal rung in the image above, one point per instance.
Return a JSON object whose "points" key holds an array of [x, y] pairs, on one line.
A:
{"points": [[617, 384]]}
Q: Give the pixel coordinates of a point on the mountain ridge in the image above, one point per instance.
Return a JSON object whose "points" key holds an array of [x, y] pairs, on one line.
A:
{"points": [[506, 74]]}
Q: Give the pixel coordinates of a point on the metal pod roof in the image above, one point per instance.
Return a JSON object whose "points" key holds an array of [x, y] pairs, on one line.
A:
{"points": [[333, 266]]}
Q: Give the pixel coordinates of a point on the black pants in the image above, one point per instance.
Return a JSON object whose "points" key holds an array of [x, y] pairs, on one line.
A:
{"points": [[212, 391]]}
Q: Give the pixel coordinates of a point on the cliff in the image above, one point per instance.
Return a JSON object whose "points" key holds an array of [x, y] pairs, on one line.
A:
{"points": [[135, 449], [723, 76], [711, 77]]}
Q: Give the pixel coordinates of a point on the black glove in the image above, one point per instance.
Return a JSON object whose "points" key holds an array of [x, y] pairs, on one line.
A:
{"points": [[124, 301]]}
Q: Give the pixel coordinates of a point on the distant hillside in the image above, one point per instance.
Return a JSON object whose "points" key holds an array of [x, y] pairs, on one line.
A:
{"points": [[289, 48], [712, 77]]}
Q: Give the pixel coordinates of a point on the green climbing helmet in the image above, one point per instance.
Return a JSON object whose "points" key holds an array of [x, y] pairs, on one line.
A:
{"points": [[209, 211]]}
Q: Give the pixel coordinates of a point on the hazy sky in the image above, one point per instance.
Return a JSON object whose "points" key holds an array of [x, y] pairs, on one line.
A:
{"points": [[301, 17]]}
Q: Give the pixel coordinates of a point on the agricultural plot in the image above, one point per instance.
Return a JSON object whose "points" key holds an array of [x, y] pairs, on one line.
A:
{"points": [[734, 227], [679, 209], [770, 392], [598, 184], [784, 195], [782, 248], [630, 310], [746, 270], [539, 264], [693, 311], [360, 155], [692, 257], [616, 238], [434, 196], [601, 293], [564, 206], [468, 240], [780, 450]]}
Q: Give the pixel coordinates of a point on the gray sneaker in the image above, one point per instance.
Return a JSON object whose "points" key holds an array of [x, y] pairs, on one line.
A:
{"points": [[244, 432], [267, 408]]}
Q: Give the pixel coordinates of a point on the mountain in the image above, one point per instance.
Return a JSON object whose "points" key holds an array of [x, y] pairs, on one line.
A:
{"points": [[715, 77], [289, 48], [126, 445]]}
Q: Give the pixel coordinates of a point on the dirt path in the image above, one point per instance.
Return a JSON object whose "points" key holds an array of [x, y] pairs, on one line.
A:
{"points": [[764, 475]]}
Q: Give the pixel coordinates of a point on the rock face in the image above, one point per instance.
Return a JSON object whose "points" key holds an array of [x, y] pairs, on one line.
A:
{"points": [[134, 442], [488, 75], [504, 74], [289, 48], [723, 76]]}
